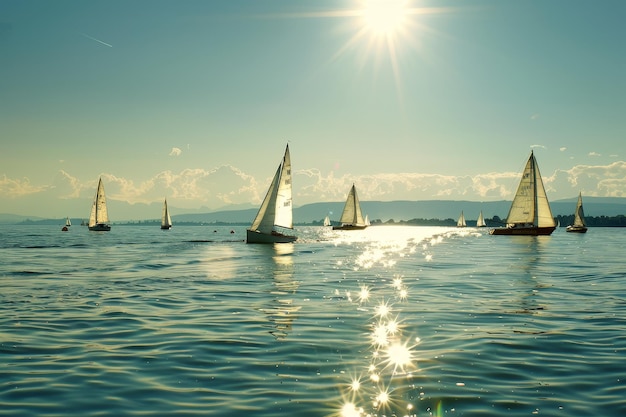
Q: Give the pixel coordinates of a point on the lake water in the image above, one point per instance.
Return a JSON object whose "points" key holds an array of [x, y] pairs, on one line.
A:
{"points": [[392, 320]]}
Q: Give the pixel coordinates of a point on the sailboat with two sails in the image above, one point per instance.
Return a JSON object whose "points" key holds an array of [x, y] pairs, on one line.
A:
{"points": [[530, 212], [579, 225], [461, 221], [274, 220], [166, 219], [99, 217], [352, 216], [481, 220]]}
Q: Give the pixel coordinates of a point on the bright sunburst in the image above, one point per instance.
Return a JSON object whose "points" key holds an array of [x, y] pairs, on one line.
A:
{"points": [[385, 17]]}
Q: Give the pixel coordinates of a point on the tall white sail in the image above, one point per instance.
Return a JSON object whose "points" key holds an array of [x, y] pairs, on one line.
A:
{"points": [[461, 221], [276, 207], [481, 220], [530, 205], [579, 214], [99, 213], [327, 221], [352, 210], [284, 212], [166, 219]]}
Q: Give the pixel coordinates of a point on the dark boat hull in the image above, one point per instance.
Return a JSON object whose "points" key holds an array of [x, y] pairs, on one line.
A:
{"points": [[258, 237], [349, 227], [100, 227], [523, 231]]}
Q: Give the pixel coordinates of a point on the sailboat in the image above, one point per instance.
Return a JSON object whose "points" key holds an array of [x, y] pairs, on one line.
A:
{"points": [[481, 220], [461, 221], [327, 221], [166, 220], [530, 212], [99, 217], [68, 223], [352, 217], [275, 216], [579, 218]]}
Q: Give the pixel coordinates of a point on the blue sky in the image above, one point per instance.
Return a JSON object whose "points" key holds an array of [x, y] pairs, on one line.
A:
{"points": [[195, 100]]}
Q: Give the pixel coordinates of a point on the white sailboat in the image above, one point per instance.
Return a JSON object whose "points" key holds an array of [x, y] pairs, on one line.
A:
{"points": [[68, 223], [530, 212], [275, 216], [99, 217], [481, 220], [579, 225], [166, 220], [327, 221], [352, 217], [461, 221]]}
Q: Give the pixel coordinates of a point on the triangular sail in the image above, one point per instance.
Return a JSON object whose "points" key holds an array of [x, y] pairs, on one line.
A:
{"points": [[481, 220], [284, 212], [326, 221], [352, 210], [68, 222], [461, 221], [276, 207], [530, 204], [166, 219], [99, 213], [579, 214]]}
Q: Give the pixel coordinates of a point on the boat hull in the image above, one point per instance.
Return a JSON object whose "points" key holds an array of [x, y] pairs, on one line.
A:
{"points": [[166, 227], [576, 229], [523, 231], [349, 227], [100, 227], [253, 236]]}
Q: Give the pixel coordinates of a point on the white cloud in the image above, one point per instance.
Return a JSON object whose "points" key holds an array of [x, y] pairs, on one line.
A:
{"points": [[202, 189], [563, 149], [14, 188], [594, 154], [175, 152]]}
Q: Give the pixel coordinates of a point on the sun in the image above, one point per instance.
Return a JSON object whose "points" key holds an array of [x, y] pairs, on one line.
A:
{"points": [[385, 17]]}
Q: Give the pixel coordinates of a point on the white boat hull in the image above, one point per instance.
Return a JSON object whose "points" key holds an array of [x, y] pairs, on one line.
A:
{"points": [[258, 237]]}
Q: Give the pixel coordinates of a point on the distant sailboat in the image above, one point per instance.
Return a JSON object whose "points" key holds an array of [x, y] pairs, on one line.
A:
{"points": [[461, 221], [579, 225], [352, 217], [276, 213], [99, 217], [327, 221], [68, 223], [530, 212], [166, 220], [481, 220]]}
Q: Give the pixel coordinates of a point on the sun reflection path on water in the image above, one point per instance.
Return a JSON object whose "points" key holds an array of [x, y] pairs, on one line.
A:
{"points": [[387, 385]]}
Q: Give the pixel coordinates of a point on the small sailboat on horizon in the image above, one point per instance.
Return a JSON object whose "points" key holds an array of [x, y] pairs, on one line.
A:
{"points": [[481, 220], [461, 221], [530, 212], [68, 223], [166, 219], [579, 225], [352, 216], [327, 221], [99, 217], [275, 216]]}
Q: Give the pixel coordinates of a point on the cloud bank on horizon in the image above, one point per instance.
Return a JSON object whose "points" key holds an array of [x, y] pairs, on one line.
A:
{"points": [[195, 189]]}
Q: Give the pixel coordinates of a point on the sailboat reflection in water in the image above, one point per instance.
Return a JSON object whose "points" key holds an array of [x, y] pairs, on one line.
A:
{"points": [[282, 312]]}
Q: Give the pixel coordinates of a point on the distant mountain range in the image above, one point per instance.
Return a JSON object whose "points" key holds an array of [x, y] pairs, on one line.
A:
{"points": [[381, 210]]}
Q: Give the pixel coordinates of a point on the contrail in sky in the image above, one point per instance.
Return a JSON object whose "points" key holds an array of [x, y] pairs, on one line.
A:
{"points": [[97, 40]]}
